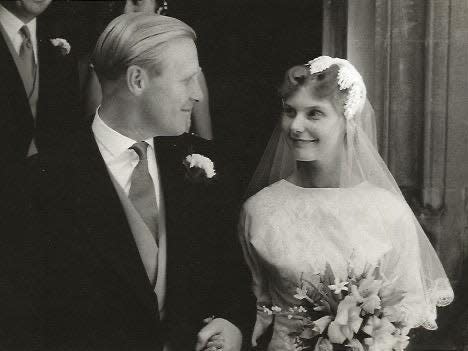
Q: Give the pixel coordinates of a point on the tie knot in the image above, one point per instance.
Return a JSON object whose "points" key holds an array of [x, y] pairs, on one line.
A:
{"points": [[140, 148], [24, 31]]}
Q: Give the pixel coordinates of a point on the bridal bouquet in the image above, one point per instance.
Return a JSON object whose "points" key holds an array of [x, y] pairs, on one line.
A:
{"points": [[361, 313]]}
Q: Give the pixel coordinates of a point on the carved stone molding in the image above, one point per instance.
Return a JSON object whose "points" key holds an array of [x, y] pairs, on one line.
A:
{"points": [[436, 103], [417, 73]]}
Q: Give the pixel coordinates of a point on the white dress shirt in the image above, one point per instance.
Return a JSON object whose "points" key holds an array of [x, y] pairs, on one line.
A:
{"points": [[120, 159], [12, 25]]}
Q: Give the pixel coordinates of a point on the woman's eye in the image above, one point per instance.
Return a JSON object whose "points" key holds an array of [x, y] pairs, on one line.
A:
{"points": [[314, 114], [288, 111]]}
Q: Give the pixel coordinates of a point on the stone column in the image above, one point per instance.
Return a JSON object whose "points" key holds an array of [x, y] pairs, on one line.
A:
{"points": [[413, 55]]}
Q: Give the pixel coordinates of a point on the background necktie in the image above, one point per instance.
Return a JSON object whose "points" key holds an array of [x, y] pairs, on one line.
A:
{"points": [[26, 56], [142, 192]]}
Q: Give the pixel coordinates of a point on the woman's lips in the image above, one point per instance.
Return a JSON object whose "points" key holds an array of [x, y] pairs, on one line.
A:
{"points": [[304, 140]]}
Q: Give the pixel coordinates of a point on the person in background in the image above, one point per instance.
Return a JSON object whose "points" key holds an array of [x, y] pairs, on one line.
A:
{"points": [[39, 90]]}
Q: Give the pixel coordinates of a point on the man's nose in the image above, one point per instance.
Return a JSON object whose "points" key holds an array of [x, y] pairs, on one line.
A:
{"points": [[196, 92]]}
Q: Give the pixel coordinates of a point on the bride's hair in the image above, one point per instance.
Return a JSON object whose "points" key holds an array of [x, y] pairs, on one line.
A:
{"points": [[323, 85]]}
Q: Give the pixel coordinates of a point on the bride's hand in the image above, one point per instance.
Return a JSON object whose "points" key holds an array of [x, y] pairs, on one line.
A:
{"points": [[219, 332]]}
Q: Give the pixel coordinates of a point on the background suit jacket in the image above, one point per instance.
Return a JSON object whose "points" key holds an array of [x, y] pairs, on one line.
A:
{"points": [[58, 105], [87, 284]]}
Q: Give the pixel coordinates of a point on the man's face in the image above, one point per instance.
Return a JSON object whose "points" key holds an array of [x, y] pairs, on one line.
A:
{"points": [[26, 10], [168, 100], [147, 6]]}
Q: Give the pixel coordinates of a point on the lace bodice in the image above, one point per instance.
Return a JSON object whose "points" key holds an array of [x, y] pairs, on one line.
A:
{"points": [[289, 232]]}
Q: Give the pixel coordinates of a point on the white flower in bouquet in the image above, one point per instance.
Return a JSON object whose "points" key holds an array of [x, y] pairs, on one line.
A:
{"points": [[276, 309], [355, 345], [402, 339], [381, 332], [347, 321], [321, 324], [301, 293], [338, 286], [323, 344], [367, 296]]}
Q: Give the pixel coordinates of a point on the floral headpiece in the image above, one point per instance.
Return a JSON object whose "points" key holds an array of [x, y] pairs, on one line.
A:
{"points": [[348, 78]]}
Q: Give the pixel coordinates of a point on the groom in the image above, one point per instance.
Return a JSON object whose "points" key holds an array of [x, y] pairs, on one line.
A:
{"points": [[137, 248]]}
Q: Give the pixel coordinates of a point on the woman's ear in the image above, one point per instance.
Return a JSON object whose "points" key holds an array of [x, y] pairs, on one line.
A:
{"points": [[136, 79]]}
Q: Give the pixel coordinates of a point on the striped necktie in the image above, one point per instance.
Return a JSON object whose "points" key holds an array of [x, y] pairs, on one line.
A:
{"points": [[142, 193], [28, 63]]}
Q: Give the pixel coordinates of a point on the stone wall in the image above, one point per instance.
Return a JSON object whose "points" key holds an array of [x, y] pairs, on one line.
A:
{"points": [[413, 55]]}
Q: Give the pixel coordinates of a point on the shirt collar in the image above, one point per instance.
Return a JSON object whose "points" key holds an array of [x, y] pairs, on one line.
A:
{"points": [[114, 142], [13, 24]]}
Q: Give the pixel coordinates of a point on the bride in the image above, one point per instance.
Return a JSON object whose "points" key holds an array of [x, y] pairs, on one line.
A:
{"points": [[323, 196]]}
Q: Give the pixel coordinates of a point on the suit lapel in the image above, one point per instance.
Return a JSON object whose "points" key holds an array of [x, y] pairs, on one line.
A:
{"points": [[14, 88], [99, 209], [46, 57], [170, 152], [178, 192]]}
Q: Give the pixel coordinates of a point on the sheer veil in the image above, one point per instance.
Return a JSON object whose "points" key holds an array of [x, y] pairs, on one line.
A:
{"points": [[361, 162]]}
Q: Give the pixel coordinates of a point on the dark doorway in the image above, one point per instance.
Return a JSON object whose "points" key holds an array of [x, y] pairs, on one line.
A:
{"points": [[245, 46]]}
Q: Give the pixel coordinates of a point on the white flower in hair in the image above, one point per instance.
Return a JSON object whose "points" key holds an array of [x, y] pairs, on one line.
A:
{"points": [[320, 64], [348, 78]]}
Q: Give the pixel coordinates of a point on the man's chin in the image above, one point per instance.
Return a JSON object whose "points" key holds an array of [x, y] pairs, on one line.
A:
{"points": [[172, 133]]}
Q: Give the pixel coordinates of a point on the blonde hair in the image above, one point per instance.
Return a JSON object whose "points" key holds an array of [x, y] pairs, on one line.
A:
{"points": [[136, 39]]}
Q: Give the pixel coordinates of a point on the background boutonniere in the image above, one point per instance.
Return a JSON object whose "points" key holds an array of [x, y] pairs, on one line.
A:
{"points": [[62, 44], [199, 168]]}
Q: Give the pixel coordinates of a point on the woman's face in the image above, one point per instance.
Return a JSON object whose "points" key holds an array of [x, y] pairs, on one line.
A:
{"points": [[146, 6], [313, 128]]}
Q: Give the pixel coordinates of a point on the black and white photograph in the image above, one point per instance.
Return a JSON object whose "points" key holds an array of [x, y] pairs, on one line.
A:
{"points": [[233, 175]]}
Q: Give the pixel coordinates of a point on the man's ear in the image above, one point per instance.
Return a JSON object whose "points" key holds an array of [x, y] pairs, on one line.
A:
{"points": [[137, 79]]}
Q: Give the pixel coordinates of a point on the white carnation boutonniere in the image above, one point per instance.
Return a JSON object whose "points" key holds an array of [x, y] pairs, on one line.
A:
{"points": [[62, 44], [199, 168]]}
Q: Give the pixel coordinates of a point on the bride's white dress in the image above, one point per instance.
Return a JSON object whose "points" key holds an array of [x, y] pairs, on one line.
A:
{"points": [[288, 232]]}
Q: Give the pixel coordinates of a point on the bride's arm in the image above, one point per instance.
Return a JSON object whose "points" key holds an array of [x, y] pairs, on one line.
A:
{"points": [[259, 278]]}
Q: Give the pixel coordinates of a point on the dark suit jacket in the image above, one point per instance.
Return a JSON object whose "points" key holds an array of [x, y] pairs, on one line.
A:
{"points": [[58, 104], [86, 287]]}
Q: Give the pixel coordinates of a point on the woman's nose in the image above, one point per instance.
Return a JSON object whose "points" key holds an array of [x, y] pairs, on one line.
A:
{"points": [[297, 124]]}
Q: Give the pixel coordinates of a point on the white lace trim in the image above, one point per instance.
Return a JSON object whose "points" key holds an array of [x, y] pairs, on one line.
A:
{"points": [[440, 295]]}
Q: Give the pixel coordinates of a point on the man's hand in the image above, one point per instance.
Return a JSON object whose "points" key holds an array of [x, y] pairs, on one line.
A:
{"points": [[219, 334]]}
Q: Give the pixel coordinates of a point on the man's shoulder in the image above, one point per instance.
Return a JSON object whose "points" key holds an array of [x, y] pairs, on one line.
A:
{"points": [[184, 142]]}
